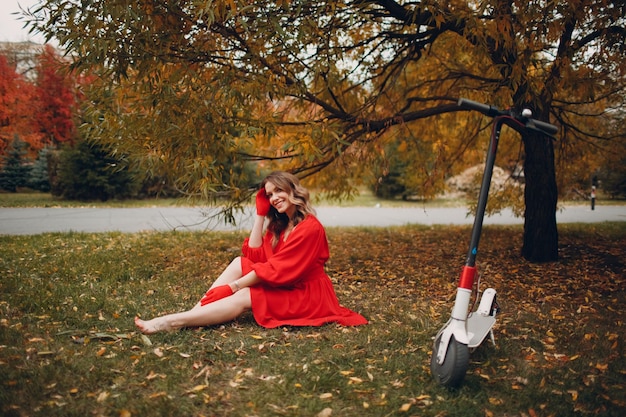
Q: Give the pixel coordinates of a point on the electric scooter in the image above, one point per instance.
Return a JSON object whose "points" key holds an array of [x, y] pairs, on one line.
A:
{"points": [[466, 330]]}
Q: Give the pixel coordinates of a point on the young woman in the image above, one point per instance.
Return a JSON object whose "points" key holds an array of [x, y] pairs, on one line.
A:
{"points": [[280, 276]]}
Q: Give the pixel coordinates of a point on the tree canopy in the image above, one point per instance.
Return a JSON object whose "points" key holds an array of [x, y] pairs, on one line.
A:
{"points": [[39, 107], [202, 89]]}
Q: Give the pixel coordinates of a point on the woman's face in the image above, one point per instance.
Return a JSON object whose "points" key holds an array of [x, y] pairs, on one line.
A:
{"points": [[279, 199]]}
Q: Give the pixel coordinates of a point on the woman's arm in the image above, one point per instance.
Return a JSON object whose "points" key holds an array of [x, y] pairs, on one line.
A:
{"points": [[247, 280], [256, 234], [262, 204]]}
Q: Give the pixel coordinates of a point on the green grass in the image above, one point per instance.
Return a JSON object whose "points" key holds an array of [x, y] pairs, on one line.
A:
{"points": [[36, 199], [68, 346], [365, 198]]}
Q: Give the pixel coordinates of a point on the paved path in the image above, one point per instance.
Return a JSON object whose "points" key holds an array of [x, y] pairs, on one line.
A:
{"points": [[26, 221]]}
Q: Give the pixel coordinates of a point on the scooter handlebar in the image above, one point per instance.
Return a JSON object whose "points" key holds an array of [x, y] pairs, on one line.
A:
{"points": [[474, 105], [548, 128], [492, 111]]}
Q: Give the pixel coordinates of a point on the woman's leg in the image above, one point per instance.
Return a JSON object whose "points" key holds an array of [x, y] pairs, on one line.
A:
{"points": [[220, 311], [231, 273]]}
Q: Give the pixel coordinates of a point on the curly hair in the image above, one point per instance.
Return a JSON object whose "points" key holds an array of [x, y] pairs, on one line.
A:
{"points": [[298, 196]]}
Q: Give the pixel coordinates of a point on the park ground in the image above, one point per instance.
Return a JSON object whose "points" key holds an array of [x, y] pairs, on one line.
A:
{"points": [[68, 346]]}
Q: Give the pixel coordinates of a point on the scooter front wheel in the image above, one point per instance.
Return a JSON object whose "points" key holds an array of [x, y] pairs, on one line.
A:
{"points": [[451, 371]]}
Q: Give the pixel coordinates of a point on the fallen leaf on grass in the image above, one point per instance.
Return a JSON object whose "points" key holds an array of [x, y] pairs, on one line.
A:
{"points": [[102, 396], [405, 407], [146, 340], [196, 389], [327, 412], [601, 366], [36, 340], [152, 375]]}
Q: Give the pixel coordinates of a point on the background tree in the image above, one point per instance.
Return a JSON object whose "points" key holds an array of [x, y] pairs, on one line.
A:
{"points": [[15, 167], [55, 101], [39, 176], [86, 172], [16, 109], [221, 84]]}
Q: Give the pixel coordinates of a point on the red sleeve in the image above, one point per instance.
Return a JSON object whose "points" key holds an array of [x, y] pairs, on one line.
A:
{"points": [[306, 250], [260, 254]]}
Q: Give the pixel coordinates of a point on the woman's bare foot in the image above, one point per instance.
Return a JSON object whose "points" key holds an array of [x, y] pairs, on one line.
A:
{"points": [[156, 325]]}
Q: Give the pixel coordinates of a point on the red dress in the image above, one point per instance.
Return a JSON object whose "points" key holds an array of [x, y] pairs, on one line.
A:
{"points": [[294, 288]]}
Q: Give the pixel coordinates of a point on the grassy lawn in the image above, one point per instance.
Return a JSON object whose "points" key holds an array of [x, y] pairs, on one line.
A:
{"points": [[36, 199], [365, 198], [68, 346]]}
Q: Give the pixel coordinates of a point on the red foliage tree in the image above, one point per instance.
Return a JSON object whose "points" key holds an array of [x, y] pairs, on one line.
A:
{"points": [[16, 115], [56, 99]]}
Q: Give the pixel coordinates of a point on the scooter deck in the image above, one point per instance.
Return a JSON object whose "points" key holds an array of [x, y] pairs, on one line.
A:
{"points": [[478, 327]]}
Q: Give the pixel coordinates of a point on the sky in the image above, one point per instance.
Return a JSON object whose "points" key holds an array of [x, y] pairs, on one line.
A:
{"points": [[10, 27]]}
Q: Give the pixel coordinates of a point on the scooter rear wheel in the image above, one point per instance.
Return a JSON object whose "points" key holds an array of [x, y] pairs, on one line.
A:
{"points": [[452, 371]]}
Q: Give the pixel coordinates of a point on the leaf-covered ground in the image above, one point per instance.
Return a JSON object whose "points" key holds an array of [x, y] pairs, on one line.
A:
{"points": [[68, 346]]}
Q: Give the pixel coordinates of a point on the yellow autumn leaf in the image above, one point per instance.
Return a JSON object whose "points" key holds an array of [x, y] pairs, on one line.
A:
{"points": [[146, 340], [574, 394], [197, 388], [602, 366], [327, 412], [405, 407], [102, 396]]}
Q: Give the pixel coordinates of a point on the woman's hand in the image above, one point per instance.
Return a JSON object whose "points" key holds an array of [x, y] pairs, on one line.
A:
{"points": [[262, 203], [216, 293]]}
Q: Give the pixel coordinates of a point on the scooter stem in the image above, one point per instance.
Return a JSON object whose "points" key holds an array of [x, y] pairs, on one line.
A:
{"points": [[482, 198]]}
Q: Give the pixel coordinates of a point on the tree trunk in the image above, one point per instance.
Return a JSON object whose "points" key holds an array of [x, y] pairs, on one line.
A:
{"points": [[540, 230]]}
